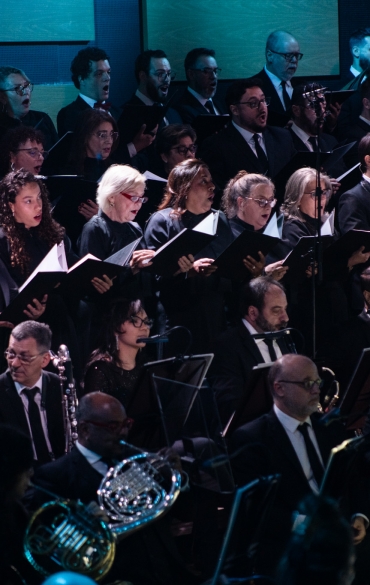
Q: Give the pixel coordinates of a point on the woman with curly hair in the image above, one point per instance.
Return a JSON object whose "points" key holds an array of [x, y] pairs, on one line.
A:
{"points": [[189, 298], [22, 148]]}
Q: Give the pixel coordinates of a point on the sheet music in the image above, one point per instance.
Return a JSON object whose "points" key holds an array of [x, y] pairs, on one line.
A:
{"points": [[54, 261]]}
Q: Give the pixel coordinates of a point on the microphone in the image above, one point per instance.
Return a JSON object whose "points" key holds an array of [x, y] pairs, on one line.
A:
{"points": [[273, 334], [160, 338]]}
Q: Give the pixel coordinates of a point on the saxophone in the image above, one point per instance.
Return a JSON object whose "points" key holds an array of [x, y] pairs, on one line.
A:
{"points": [[63, 363]]}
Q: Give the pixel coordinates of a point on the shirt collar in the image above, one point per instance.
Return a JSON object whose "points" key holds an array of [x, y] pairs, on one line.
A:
{"points": [[250, 327], [276, 81], [20, 387], [245, 133], [90, 456], [354, 71], [364, 120], [147, 101], [199, 97], [288, 422], [300, 133], [366, 178], [88, 100]]}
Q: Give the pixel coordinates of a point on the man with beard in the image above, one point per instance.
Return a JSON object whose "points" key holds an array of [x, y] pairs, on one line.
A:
{"points": [[153, 75], [359, 44], [236, 352], [291, 442], [202, 74], [247, 144], [91, 76], [30, 398]]}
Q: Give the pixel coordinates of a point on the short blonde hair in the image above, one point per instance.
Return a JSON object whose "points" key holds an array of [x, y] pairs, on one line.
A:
{"points": [[296, 188], [116, 179]]}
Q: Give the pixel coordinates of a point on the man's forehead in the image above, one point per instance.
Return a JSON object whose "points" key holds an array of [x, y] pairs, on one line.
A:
{"points": [[287, 45], [102, 65], [23, 344], [159, 63], [205, 61], [253, 92]]}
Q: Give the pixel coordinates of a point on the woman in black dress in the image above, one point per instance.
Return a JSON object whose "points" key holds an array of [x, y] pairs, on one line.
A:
{"points": [[193, 298], [115, 367]]}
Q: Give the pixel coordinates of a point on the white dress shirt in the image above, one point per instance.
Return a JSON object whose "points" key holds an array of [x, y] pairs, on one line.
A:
{"points": [[203, 100], [296, 438], [93, 459], [248, 137], [262, 345], [276, 82], [20, 387], [88, 100], [303, 136]]}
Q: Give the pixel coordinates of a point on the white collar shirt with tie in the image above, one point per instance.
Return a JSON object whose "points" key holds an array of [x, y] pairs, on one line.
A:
{"points": [[276, 82], [264, 350]]}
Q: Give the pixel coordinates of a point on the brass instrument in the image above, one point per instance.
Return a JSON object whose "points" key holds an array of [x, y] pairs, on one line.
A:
{"points": [[63, 363], [63, 535]]}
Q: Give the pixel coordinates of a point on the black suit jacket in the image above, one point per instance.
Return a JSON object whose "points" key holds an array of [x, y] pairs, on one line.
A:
{"points": [[227, 153], [68, 116], [327, 143], [270, 91], [235, 355], [189, 107], [148, 556], [270, 451], [354, 208], [12, 409]]}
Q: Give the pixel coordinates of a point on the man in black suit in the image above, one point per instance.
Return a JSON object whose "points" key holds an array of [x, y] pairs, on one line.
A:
{"points": [[148, 556], [290, 441], [91, 75], [264, 309], [361, 126], [247, 143], [359, 45], [202, 74], [354, 205], [30, 398], [282, 56]]}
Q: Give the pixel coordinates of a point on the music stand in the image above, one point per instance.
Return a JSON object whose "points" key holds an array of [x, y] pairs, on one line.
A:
{"points": [[147, 410], [256, 401], [355, 403], [269, 485]]}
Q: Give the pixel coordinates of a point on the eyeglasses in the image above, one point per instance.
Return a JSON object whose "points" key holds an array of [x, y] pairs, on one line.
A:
{"points": [[306, 384], [255, 103], [139, 322], [113, 426], [21, 89], [35, 152], [288, 56], [263, 202], [105, 135], [162, 74], [208, 70], [185, 149], [24, 359], [324, 193], [135, 198]]}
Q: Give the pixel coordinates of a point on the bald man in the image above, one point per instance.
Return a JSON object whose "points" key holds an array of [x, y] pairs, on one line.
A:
{"points": [[149, 556], [282, 57], [290, 441]]}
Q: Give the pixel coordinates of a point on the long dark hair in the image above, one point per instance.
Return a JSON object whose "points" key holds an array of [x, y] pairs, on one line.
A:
{"points": [[121, 310], [49, 230], [89, 121], [179, 184]]}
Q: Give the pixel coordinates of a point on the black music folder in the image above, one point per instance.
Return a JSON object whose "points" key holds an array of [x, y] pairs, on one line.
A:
{"points": [[188, 241], [230, 262], [334, 97]]}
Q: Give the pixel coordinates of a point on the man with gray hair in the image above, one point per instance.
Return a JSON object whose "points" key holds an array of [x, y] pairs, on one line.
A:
{"points": [[282, 57], [291, 441], [30, 397]]}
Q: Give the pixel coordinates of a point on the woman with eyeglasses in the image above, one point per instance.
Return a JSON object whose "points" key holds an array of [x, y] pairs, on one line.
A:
{"points": [[15, 101], [248, 202], [174, 143], [194, 296], [22, 148], [115, 367]]}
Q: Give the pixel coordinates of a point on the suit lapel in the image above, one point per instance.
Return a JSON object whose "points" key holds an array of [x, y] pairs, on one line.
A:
{"points": [[270, 149], [249, 344], [244, 149], [16, 405]]}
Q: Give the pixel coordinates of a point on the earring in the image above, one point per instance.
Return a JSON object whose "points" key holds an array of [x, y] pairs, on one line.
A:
{"points": [[111, 204], [12, 167], [117, 342]]}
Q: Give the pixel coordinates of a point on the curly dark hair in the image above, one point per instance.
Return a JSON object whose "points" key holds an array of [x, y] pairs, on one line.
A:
{"points": [[11, 142], [49, 230], [179, 184], [89, 121], [120, 311], [81, 64]]}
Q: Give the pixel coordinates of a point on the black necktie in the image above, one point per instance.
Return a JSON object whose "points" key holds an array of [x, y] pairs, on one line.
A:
{"points": [[313, 141], [209, 106], [270, 344], [315, 463], [39, 441], [261, 155], [286, 99]]}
